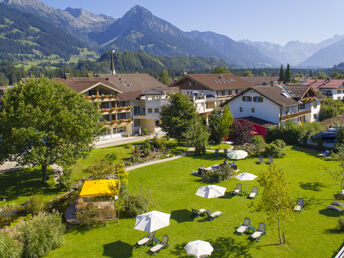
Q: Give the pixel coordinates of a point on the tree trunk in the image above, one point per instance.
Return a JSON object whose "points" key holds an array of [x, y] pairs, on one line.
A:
{"points": [[44, 174], [283, 238], [279, 232]]}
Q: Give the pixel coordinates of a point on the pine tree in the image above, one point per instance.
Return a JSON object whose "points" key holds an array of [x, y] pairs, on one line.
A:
{"points": [[287, 74], [281, 74]]}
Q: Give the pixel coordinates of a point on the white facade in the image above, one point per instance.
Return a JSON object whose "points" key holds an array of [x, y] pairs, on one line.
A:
{"points": [[336, 94], [265, 109]]}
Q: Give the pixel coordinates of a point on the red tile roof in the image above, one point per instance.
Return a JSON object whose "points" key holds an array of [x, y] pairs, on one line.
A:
{"points": [[80, 84]]}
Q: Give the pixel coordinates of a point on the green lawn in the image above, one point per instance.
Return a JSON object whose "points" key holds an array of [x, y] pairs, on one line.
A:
{"points": [[312, 233]]}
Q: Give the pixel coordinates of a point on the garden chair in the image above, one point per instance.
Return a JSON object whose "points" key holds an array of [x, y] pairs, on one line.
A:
{"points": [[244, 226], [234, 166], [197, 213], [299, 205], [212, 216], [217, 152], [158, 247], [225, 152], [338, 204], [335, 208], [254, 193], [237, 190], [146, 239], [324, 154], [260, 159], [270, 160], [256, 235]]}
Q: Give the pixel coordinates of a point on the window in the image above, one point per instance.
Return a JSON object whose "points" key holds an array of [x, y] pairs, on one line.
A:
{"points": [[121, 130], [257, 99], [236, 91], [246, 98], [137, 122], [315, 104], [315, 117], [106, 118], [223, 93], [156, 110], [287, 110], [150, 110], [302, 106], [241, 109], [121, 104], [121, 116], [136, 110], [252, 110], [149, 98], [230, 92]]}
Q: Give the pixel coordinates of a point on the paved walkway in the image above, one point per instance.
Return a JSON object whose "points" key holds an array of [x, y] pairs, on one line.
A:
{"points": [[159, 160]]}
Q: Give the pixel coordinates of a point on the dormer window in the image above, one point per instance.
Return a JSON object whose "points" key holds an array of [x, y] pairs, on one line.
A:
{"points": [[247, 98], [257, 99]]}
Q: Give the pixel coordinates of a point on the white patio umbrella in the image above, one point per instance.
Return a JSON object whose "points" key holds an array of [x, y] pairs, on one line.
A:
{"points": [[199, 248], [246, 177], [237, 154], [152, 221], [211, 191]]}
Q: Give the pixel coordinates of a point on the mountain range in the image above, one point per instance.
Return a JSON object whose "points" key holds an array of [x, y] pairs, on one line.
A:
{"points": [[140, 30]]}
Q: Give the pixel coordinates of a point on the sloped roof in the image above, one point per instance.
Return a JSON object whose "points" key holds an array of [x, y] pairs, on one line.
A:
{"points": [[81, 84], [217, 82], [332, 84], [273, 93], [258, 121], [134, 82], [297, 91], [261, 80]]}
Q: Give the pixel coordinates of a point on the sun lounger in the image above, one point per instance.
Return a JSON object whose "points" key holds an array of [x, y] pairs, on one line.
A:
{"points": [[258, 233], [200, 212], [225, 152], [335, 208], [158, 247], [212, 216], [260, 159], [299, 205], [270, 160], [217, 152], [146, 239], [324, 154], [244, 226], [237, 190], [253, 193], [338, 204]]}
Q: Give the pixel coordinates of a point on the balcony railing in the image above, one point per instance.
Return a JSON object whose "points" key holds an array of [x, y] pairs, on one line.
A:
{"points": [[116, 109], [118, 122], [101, 97]]}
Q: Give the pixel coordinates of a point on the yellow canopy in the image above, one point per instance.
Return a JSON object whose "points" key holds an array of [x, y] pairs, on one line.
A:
{"points": [[98, 187]]}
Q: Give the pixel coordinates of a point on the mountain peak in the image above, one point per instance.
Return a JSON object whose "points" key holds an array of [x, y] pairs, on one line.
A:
{"points": [[137, 11], [75, 12]]}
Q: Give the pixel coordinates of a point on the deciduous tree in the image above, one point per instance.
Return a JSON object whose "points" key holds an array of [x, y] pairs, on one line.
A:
{"points": [[220, 123], [275, 199], [197, 135], [44, 122], [164, 77], [177, 115]]}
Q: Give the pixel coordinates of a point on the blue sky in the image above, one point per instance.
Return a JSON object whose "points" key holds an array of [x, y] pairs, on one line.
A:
{"points": [[259, 20]]}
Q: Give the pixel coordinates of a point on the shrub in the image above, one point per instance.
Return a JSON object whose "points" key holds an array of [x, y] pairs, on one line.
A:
{"points": [[88, 214], [146, 148], [65, 181], [159, 143], [9, 247], [241, 132], [276, 149], [341, 223], [259, 145], [111, 157], [222, 174], [145, 131], [40, 235], [134, 205], [34, 205]]}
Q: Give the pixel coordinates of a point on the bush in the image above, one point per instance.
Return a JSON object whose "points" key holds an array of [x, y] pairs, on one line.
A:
{"points": [[159, 143], [134, 205], [240, 132], [88, 214], [146, 148], [9, 247], [34, 205], [259, 145], [276, 149], [111, 157], [341, 223], [222, 174], [40, 235], [145, 131]]}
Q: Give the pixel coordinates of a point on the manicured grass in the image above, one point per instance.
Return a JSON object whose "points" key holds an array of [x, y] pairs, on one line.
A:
{"points": [[18, 186], [312, 233], [220, 146]]}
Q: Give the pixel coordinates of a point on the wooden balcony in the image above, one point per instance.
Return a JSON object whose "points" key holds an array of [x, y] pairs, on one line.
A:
{"points": [[100, 98], [116, 110], [116, 123], [294, 115]]}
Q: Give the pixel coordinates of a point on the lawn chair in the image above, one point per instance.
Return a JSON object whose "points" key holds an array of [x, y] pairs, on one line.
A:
{"points": [[260, 160], [324, 154], [335, 208], [270, 160], [237, 190], [299, 205], [338, 204], [158, 247], [254, 193], [217, 152], [225, 152], [212, 216], [144, 241], [197, 213], [256, 235], [244, 226]]}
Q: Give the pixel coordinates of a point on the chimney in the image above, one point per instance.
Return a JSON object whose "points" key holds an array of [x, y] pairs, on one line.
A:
{"points": [[67, 76], [112, 69]]}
